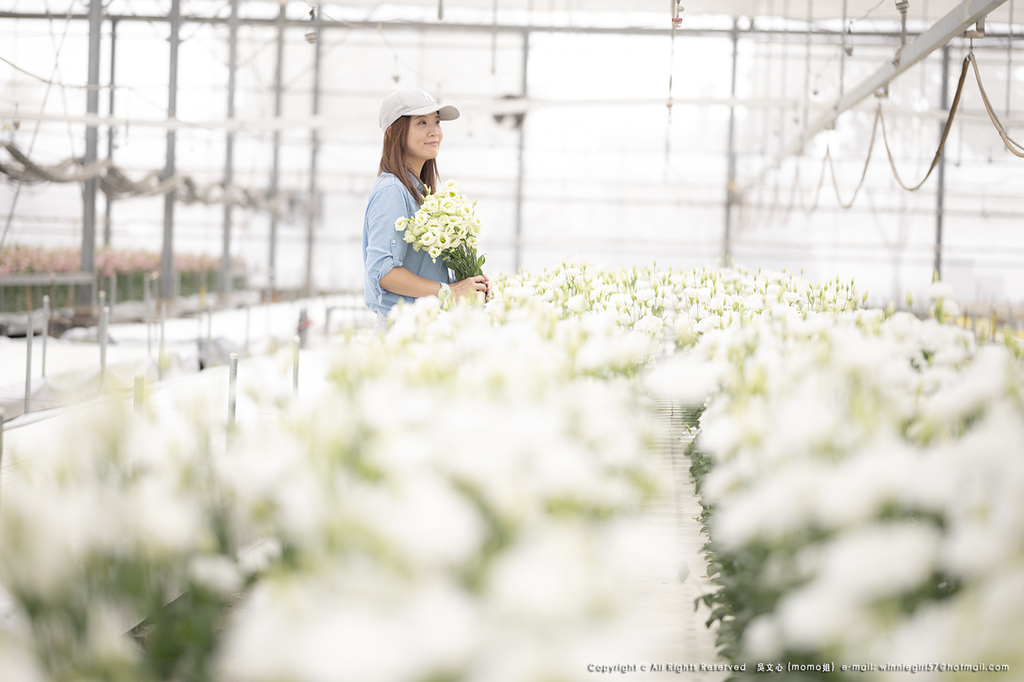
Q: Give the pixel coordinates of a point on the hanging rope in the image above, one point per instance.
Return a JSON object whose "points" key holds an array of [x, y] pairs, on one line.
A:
{"points": [[864, 173], [942, 142], [1015, 147], [116, 185], [69, 170]]}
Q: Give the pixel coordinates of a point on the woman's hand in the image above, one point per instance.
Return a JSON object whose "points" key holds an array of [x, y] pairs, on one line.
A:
{"points": [[471, 286]]}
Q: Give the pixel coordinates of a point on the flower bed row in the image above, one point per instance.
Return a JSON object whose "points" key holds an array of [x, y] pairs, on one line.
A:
{"points": [[471, 487], [861, 475], [129, 267]]}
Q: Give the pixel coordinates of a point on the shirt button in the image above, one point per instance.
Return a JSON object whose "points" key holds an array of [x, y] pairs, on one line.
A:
{"points": [[392, 241]]}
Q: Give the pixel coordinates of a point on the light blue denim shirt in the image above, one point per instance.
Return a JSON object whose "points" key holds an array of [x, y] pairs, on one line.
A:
{"points": [[384, 248]]}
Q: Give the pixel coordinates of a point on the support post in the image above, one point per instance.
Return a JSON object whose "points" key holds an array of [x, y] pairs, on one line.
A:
{"points": [[92, 106], [940, 193], [730, 186], [296, 345], [232, 389], [275, 169], [524, 89], [160, 357], [108, 208], [314, 198], [843, 51], [46, 329], [167, 256], [30, 334], [229, 160]]}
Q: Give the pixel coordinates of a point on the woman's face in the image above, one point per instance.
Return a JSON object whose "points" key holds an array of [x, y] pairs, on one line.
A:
{"points": [[424, 138]]}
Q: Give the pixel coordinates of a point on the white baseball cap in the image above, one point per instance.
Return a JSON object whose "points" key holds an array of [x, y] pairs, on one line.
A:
{"points": [[412, 103]]}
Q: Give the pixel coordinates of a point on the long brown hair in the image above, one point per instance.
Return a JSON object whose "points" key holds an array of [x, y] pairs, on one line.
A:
{"points": [[392, 160]]}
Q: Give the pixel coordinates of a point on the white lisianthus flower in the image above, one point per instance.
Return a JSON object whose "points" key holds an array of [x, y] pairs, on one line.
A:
{"points": [[577, 304]]}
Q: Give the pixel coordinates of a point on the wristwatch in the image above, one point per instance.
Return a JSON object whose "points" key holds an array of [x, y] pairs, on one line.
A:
{"points": [[445, 294]]}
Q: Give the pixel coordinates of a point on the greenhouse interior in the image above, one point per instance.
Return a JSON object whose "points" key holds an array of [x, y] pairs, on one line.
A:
{"points": [[694, 352]]}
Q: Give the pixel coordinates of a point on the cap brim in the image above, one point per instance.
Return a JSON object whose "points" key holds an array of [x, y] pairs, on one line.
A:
{"points": [[447, 112]]}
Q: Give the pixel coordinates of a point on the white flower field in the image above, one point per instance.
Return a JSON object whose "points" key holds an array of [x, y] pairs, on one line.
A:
{"points": [[463, 499]]}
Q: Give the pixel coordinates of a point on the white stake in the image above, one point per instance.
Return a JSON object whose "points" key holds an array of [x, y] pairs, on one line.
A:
{"points": [[147, 283]]}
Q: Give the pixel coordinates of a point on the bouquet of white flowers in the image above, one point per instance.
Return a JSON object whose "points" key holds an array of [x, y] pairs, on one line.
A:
{"points": [[445, 226]]}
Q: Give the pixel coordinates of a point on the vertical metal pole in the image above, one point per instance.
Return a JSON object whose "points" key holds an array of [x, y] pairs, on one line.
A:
{"points": [[730, 187], [167, 255], [209, 331], [272, 259], [92, 106], [1009, 61], [112, 298], [940, 193], [807, 61], [139, 392], [842, 53], [524, 89], [30, 333], [783, 72], [248, 320], [494, 41], [229, 160], [314, 199], [232, 388], [46, 329], [104, 323], [110, 129], [296, 344]]}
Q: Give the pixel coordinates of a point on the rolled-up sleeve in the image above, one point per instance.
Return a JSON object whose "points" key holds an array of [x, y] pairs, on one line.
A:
{"points": [[383, 246]]}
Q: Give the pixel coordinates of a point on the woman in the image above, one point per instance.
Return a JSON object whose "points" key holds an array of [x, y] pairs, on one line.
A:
{"points": [[411, 121]]}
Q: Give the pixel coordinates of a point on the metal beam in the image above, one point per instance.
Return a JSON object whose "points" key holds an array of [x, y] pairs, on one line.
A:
{"points": [[92, 106], [275, 167], [229, 159], [730, 187], [314, 152], [108, 208], [419, 26], [521, 148], [167, 278], [944, 30], [940, 194]]}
